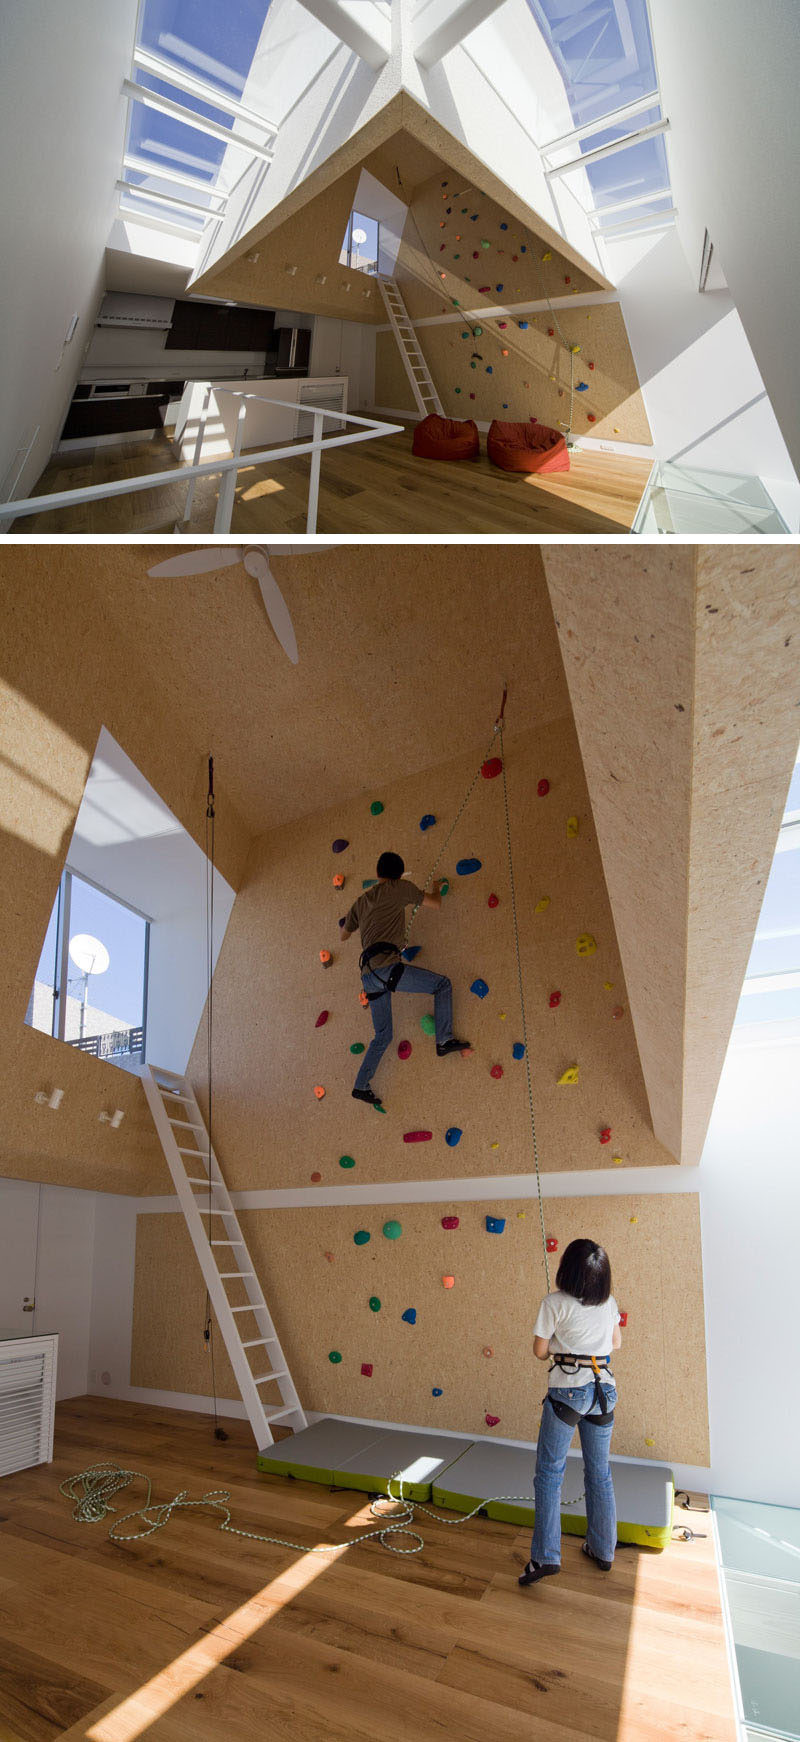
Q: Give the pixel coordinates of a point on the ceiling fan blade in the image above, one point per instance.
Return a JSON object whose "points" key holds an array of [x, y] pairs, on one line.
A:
{"points": [[199, 562], [256, 564]]}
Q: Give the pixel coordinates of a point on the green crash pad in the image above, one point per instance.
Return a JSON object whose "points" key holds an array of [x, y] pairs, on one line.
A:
{"points": [[421, 1458], [644, 1492], [316, 1452]]}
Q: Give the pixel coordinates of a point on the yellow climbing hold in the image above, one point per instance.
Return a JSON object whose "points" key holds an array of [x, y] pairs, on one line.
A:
{"points": [[572, 828], [585, 944], [502, 1016], [608, 985], [548, 255], [634, 1219], [574, 349], [649, 1442], [520, 1215], [570, 1075], [542, 904], [494, 1146], [617, 1160]]}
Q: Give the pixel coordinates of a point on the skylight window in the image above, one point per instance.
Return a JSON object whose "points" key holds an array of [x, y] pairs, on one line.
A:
{"points": [[771, 991], [215, 42]]}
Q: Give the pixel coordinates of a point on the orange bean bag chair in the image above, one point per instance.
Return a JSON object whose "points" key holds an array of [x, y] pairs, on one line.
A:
{"points": [[444, 438], [527, 447]]}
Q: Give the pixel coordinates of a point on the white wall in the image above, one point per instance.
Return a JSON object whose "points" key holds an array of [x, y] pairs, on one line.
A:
{"points": [[61, 137], [60, 1276], [729, 86], [346, 348]]}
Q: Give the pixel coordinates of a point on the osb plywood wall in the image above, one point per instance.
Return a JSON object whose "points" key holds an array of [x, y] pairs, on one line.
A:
{"points": [[533, 379], [320, 1283], [270, 988], [69, 664]]}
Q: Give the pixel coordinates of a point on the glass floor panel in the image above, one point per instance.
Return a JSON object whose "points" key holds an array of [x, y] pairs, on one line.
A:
{"points": [[687, 499], [760, 1554]]}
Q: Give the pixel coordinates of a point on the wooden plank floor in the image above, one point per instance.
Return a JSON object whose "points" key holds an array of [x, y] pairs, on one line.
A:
{"points": [[197, 1636], [377, 487]]}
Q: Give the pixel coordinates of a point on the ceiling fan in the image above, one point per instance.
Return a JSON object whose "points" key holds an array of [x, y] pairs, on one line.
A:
{"points": [[256, 559]]}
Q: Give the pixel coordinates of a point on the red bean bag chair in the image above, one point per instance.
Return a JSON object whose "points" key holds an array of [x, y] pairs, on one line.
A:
{"points": [[527, 447], [444, 438]]}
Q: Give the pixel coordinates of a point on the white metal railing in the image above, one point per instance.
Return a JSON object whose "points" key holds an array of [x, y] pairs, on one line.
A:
{"points": [[369, 429]]}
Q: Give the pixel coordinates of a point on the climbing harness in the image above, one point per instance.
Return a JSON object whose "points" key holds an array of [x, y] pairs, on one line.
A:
{"points": [[395, 975], [564, 1411]]}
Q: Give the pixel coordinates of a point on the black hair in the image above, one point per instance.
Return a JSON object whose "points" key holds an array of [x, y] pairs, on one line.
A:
{"points": [[390, 865], [585, 1272]]}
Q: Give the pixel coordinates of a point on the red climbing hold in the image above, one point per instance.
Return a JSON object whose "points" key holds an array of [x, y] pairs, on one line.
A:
{"points": [[496, 1072], [322, 1019], [591, 365], [605, 1135], [404, 1049], [551, 332], [567, 280], [449, 1221], [552, 1245], [492, 768], [491, 1420], [483, 289], [555, 1000], [494, 901], [623, 1318], [591, 417], [366, 1368], [315, 1178], [617, 1012], [543, 788], [441, 247], [417, 1136]]}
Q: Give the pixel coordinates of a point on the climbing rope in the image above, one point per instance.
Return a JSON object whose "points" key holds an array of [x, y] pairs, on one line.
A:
{"points": [[93, 1491]]}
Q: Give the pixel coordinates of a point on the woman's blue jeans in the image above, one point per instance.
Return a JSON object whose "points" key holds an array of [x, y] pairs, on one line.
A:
{"points": [[412, 979], [551, 1458]]}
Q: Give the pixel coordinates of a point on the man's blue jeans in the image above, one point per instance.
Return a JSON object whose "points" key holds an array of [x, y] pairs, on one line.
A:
{"points": [[412, 979], [551, 1458]]}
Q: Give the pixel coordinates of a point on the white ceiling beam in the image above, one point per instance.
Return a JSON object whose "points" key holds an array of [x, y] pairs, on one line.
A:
{"points": [[194, 87], [446, 24], [645, 221], [165, 106], [372, 45], [130, 187], [144, 167], [608, 150], [627, 205], [626, 113]]}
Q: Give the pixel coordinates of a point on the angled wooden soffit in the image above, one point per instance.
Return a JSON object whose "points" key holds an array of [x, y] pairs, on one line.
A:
{"points": [[682, 668]]}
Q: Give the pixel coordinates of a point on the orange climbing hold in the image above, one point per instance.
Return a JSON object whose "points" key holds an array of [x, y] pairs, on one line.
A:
{"points": [[326, 958], [448, 1281], [319, 1091], [363, 999], [338, 881]]}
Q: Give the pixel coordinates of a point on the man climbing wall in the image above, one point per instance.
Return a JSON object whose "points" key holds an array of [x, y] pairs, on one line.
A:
{"points": [[379, 914]]}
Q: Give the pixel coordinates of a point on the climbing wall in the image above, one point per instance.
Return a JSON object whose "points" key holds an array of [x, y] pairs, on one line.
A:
{"points": [[403, 1316], [289, 1030]]}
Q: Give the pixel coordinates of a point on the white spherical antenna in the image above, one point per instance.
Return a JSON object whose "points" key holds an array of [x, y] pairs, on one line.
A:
{"points": [[359, 236], [88, 954]]}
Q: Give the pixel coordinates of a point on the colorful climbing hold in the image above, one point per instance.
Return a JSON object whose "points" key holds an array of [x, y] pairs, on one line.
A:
{"points": [[551, 1244], [409, 1317], [585, 944], [502, 325], [366, 1369], [338, 880], [548, 255], [450, 1221], [492, 767], [322, 1019], [543, 788], [623, 1318], [362, 1237], [346, 1161], [494, 1145], [458, 390], [608, 985], [363, 999], [329, 1256], [392, 1230], [484, 243], [496, 1072], [518, 1050], [479, 332], [572, 828], [591, 365], [480, 988], [489, 369], [437, 1391], [467, 867], [605, 1134], [319, 1091], [494, 901], [542, 904], [417, 1136], [448, 1282], [491, 1420], [495, 1224], [555, 1000], [504, 226], [523, 325], [404, 1049], [453, 1136], [504, 353], [335, 1357], [410, 952], [357, 1046], [374, 1304], [427, 1023], [591, 417], [617, 1160], [617, 1013], [498, 287], [570, 1075], [315, 1178], [427, 821], [326, 958], [338, 846], [375, 808], [582, 387]]}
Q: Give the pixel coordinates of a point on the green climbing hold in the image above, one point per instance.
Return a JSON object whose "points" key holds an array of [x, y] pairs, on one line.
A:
{"points": [[376, 807], [392, 1230], [334, 1356], [444, 887], [378, 1107], [427, 1023], [478, 332], [361, 1237], [374, 1304], [357, 1046], [346, 1161], [484, 244]]}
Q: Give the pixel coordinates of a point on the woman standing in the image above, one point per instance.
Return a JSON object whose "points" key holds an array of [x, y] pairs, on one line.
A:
{"points": [[576, 1330]]}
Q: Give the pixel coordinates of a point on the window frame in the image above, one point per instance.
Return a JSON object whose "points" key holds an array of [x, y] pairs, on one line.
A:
{"points": [[64, 900]]}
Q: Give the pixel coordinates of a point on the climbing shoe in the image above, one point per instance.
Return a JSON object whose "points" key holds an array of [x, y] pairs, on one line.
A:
{"points": [[605, 1566], [367, 1095], [452, 1046], [534, 1571]]}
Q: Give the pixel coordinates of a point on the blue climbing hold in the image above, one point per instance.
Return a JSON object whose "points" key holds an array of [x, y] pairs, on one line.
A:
{"points": [[495, 1224], [465, 867], [582, 387], [523, 248], [427, 821], [498, 287], [505, 405], [480, 988], [437, 1391], [489, 369], [523, 325], [412, 951], [518, 1050], [504, 226], [410, 1316], [453, 1136], [339, 845], [474, 218]]}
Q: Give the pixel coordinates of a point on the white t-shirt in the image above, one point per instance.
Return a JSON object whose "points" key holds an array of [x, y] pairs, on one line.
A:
{"points": [[575, 1329]]}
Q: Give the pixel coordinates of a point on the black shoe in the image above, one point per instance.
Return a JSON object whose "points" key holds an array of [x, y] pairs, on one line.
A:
{"points": [[452, 1046], [533, 1571], [605, 1566], [367, 1095]]}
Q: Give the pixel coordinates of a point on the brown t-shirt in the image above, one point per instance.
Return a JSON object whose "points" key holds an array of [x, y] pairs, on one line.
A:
{"points": [[379, 914]]}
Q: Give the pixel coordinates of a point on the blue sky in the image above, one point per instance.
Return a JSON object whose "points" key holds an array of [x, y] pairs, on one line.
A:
{"points": [[119, 990]]}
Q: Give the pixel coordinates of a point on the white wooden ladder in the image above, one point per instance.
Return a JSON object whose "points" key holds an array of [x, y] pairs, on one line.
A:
{"points": [[425, 395], [202, 1193]]}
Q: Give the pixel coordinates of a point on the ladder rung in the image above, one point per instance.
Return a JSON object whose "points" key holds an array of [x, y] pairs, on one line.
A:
{"points": [[265, 1376], [225, 1275], [203, 1210], [190, 1124], [228, 1243], [259, 1342], [199, 1154], [273, 1412], [175, 1096], [203, 1179], [249, 1308]]}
